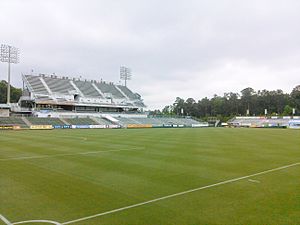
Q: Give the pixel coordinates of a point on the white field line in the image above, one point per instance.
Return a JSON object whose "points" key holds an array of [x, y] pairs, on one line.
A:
{"points": [[37, 221], [69, 154], [178, 194], [5, 220]]}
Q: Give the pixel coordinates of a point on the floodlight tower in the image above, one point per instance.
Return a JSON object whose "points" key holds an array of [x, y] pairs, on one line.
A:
{"points": [[10, 55], [125, 74]]}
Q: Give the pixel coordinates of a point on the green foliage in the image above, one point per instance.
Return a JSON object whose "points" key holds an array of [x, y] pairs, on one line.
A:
{"points": [[16, 93], [288, 110], [295, 97], [235, 104]]}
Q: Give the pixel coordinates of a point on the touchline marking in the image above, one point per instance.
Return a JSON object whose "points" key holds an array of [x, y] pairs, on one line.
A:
{"points": [[5, 220], [69, 154], [178, 194]]}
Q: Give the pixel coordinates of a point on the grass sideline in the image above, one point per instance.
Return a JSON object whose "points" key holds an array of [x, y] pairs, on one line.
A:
{"points": [[63, 175]]}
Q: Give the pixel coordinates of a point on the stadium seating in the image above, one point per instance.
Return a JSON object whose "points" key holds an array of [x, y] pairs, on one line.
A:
{"points": [[62, 86], [13, 121], [87, 89], [109, 88], [158, 121], [155, 121], [102, 121], [128, 92], [81, 121], [37, 85], [45, 121], [258, 122]]}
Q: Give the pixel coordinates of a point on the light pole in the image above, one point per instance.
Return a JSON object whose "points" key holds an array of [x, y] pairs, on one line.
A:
{"points": [[125, 74], [10, 55]]}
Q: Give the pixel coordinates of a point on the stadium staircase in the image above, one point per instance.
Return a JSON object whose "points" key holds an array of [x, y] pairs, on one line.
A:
{"points": [[111, 119], [101, 121], [64, 121], [26, 121], [119, 89]]}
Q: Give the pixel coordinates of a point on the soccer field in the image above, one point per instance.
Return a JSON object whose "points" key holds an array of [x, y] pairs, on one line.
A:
{"points": [[150, 176]]}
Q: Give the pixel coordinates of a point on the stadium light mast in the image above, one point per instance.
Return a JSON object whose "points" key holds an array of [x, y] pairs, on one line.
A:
{"points": [[125, 74], [10, 55]]}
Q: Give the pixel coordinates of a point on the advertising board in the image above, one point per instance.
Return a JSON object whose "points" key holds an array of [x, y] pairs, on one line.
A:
{"points": [[41, 127], [139, 126]]}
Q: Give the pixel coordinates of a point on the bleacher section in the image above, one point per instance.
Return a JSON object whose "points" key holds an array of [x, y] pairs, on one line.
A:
{"points": [[7, 121], [45, 121], [139, 121], [102, 121], [61, 86], [124, 122], [158, 121], [87, 89], [51, 90], [81, 121], [128, 92], [37, 85], [259, 122], [109, 89]]}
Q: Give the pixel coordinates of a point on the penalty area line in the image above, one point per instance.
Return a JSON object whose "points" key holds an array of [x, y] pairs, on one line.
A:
{"points": [[179, 194], [6, 221], [37, 221]]}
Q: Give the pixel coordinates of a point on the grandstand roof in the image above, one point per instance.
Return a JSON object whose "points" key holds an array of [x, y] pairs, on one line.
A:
{"points": [[52, 89]]}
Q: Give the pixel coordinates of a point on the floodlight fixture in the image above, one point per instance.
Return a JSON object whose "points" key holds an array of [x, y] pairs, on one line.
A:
{"points": [[9, 54], [125, 74]]}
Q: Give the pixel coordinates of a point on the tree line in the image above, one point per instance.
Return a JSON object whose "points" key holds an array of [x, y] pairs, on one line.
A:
{"points": [[15, 93], [247, 102]]}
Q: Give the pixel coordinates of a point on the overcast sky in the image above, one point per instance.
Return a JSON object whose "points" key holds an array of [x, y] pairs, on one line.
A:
{"points": [[187, 48]]}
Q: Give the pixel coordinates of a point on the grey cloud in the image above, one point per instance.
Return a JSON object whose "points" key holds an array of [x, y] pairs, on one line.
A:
{"points": [[175, 48]]}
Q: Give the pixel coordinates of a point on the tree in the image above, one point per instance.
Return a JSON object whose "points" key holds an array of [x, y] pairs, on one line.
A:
{"points": [[167, 110], [178, 105], [288, 110], [233, 104], [247, 99], [190, 107], [16, 93], [295, 97]]}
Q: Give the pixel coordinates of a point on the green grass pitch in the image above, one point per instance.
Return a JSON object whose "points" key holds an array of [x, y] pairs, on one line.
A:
{"points": [[65, 175]]}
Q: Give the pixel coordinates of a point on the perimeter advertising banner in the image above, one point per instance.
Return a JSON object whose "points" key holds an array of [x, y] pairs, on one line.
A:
{"points": [[62, 126], [4, 127], [206, 125], [113, 126], [97, 126], [41, 127], [80, 126], [139, 126], [294, 124], [94, 126]]}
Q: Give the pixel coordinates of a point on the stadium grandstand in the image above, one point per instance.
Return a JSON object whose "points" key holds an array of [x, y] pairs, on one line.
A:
{"points": [[264, 122], [66, 94], [63, 102]]}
